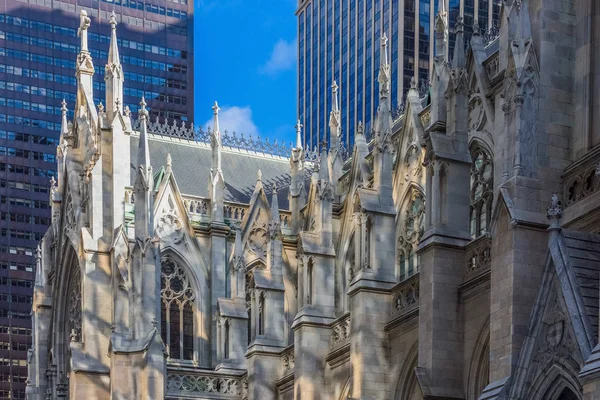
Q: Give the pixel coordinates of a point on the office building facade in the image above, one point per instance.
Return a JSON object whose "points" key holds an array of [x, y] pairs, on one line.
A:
{"points": [[38, 43], [339, 40]]}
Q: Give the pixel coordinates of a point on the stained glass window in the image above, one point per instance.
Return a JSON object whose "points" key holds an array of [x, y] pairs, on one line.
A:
{"points": [[177, 311]]}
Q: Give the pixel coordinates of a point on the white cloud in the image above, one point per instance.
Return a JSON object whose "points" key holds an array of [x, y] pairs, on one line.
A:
{"points": [[235, 119], [283, 57]]}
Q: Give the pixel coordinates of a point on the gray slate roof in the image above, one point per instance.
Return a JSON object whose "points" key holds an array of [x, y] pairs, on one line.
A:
{"points": [[583, 250], [191, 167]]}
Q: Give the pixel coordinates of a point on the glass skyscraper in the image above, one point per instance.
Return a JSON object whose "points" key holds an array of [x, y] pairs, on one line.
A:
{"points": [[38, 49], [339, 40]]}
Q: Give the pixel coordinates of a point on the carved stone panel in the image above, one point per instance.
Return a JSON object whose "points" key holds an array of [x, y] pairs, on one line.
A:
{"points": [[169, 228]]}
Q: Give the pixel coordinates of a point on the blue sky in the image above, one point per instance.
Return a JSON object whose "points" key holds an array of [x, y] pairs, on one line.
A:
{"points": [[245, 55]]}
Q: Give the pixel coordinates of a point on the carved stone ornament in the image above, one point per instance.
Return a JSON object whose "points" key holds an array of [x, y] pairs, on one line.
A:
{"points": [[555, 210], [257, 240], [412, 162], [169, 228], [476, 113]]}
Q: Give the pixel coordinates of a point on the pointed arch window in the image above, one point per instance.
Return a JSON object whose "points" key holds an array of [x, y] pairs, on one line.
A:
{"points": [[411, 229], [177, 311], [74, 305], [482, 184], [249, 301]]}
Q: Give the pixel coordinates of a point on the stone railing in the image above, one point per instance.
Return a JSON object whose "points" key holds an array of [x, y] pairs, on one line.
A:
{"points": [[287, 361], [478, 256], [405, 296], [235, 211], [582, 179], [492, 66], [195, 205], [340, 331], [182, 130], [206, 383]]}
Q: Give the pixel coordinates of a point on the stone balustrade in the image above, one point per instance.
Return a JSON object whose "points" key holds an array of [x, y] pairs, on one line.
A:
{"points": [[287, 361], [205, 384], [478, 256], [582, 179], [340, 331], [405, 296]]}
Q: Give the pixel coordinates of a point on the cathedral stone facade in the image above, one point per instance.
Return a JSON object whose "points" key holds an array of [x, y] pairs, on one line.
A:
{"points": [[451, 254]]}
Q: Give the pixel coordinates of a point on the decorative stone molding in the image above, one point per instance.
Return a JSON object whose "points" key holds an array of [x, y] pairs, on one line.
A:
{"points": [[205, 383], [340, 331], [581, 182], [478, 256], [169, 228], [287, 361], [405, 296], [197, 206], [235, 211]]}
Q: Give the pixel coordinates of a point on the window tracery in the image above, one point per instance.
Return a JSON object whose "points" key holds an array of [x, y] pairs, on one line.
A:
{"points": [[481, 192], [412, 228], [177, 311], [74, 305]]}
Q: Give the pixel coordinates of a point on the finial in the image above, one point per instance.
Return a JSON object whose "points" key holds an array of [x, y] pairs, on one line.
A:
{"points": [[215, 109], [384, 43], [113, 20], [334, 88], [143, 113], [169, 160], [298, 135], [554, 212], [118, 103], [413, 83], [63, 107], [323, 143], [100, 107], [274, 188], [259, 175], [359, 129], [127, 111], [460, 25], [84, 24]]}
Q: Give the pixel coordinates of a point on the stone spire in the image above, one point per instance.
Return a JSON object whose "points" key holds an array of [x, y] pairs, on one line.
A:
{"points": [[460, 59], [334, 118], [64, 125], [274, 205], [113, 74], [217, 183], [298, 128], [215, 140], [441, 33], [238, 289], [382, 165], [144, 182], [384, 70], [297, 193], [84, 106]]}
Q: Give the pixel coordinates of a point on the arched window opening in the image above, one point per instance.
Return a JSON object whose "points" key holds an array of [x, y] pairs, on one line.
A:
{"points": [[177, 311], [567, 394], [309, 282], [249, 300], [482, 178], [368, 240], [261, 314], [74, 305], [411, 231], [226, 341]]}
